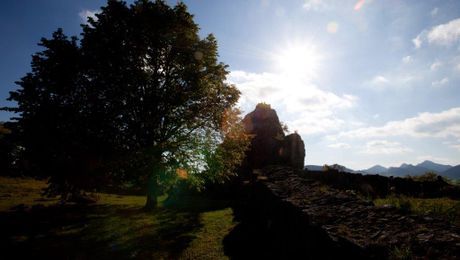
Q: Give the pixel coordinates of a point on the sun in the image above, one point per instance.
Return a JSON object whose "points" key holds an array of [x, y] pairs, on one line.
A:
{"points": [[299, 60]]}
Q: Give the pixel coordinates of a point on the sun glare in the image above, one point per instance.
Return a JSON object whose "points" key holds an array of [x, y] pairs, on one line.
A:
{"points": [[299, 61]]}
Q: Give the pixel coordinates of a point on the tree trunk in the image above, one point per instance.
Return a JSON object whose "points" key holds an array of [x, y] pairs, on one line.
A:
{"points": [[152, 191]]}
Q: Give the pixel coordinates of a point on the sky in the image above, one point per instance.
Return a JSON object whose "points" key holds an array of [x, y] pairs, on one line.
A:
{"points": [[364, 82]]}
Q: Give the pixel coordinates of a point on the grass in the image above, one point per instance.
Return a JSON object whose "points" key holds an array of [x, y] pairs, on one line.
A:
{"points": [[446, 208], [114, 227]]}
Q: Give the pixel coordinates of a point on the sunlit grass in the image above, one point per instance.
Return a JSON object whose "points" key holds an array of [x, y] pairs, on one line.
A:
{"points": [[115, 226], [25, 191], [208, 243], [446, 208]]}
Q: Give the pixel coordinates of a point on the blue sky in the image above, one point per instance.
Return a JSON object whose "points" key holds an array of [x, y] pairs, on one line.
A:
{"points": [[364, 82]]}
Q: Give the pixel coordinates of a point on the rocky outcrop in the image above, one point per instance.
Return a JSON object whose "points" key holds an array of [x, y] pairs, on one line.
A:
{"points": [[310, 220], [269, 145], [293, 151]]}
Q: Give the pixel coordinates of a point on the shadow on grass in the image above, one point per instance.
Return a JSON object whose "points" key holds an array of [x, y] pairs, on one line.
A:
{"points": [[97, 231]]}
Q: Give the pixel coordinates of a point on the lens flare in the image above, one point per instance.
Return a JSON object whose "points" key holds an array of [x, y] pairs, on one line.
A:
{"points": [[359, 4]]}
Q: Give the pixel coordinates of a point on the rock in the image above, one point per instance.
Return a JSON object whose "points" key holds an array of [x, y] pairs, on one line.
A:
{"points": [[264, 125], [293, 151], [269, 145]]}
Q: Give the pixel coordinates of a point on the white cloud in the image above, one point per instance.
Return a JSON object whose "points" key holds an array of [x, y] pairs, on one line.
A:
{"points": [[434, 12], [440, 82], [314, 5], [444, 124], [436, 65], [407, 59], [379, 80], [385, 147], [339, 146], [314, 109], [392, 79], [417, 41], [456, 146], [312, 123], [443, 34], [85, 14]]}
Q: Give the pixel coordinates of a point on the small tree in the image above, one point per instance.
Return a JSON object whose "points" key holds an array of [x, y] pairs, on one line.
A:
{"points": [[140, 98]]}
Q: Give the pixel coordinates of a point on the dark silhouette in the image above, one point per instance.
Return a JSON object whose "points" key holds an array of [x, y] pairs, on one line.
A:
{"points": [[7, 148], [138, 98], [269, 145]]}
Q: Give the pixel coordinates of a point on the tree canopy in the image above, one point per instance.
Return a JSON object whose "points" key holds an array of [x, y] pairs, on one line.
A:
{"points": [[140, 96]]}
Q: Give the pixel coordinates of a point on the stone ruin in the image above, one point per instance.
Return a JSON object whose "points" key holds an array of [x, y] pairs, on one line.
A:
{"points": [[296, 217], [287, 212], [269, 144]]}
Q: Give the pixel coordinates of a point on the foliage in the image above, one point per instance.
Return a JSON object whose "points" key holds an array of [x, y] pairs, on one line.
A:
{"points": [[285, 128], [428, 176], [333, 167], [4, 149], [222, 161], [141, 96]]}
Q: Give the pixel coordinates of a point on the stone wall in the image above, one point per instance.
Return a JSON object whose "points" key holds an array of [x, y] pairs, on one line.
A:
{"points": [[381, 186], [301, 217]]}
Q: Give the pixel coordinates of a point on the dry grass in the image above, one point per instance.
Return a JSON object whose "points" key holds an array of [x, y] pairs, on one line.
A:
{"points": [[446, 208]]}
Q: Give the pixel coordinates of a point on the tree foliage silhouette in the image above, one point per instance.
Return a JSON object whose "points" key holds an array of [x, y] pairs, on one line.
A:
{"points": [[139, 97]]}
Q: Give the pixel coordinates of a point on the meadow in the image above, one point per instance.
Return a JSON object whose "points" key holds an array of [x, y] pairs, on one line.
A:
{"points": [[113, 227]]}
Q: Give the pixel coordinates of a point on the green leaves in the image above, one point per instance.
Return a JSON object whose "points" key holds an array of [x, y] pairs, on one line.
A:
{"points": [[140, 89]]}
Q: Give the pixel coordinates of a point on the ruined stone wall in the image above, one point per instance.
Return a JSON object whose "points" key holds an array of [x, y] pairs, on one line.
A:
{"points": [[381, 186], [304, 218]]}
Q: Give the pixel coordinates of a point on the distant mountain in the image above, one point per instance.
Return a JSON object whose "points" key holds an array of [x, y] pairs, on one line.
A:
{"points": [[320, 168], [406, 169], [376, 169], [314, 167], [452, 173], [405, 165], [436, 167]]}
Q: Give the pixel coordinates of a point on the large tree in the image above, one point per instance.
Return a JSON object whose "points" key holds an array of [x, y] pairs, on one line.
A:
{"points": [[140, 97]]}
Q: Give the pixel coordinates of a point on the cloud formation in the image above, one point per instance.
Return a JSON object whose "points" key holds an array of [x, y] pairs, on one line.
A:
{"points": [[436, 65], [407, 59], [314, 109], [313, 5], [443, 35], [440, 83], [444, 124], [385, 147], [339, 146]]}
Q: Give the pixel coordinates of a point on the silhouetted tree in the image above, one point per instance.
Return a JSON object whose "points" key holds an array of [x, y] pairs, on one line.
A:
{"points": [[6, 149], [141, 98], [334, 167]]}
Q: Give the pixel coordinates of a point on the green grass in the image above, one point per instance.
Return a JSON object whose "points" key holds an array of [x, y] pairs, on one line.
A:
{"points": [[114, 227], [445, 208]]}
